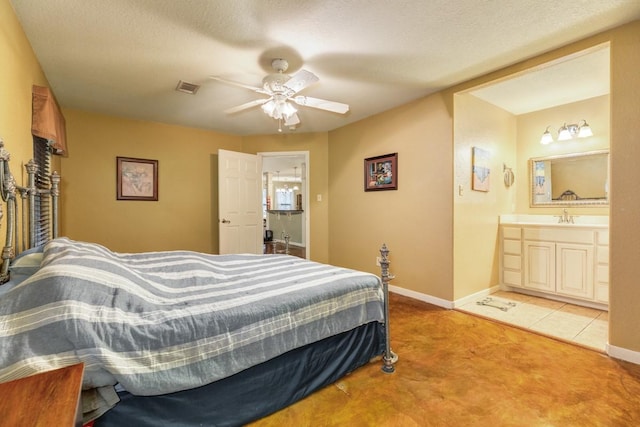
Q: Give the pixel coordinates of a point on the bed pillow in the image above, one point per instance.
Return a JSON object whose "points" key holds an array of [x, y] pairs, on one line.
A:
{"points": [[27, 263]]}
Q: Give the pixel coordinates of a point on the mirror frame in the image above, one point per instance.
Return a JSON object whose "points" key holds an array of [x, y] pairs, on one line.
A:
{"points": [[579, 202]]}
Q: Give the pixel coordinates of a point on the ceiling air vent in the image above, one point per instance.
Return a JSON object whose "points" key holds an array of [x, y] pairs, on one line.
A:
{"points": [[187, 87]]}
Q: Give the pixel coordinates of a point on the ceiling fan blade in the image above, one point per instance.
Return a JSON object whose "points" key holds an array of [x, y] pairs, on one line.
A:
{"points": [[301, 80], [292, 120], [247, 105], [234, 83], [322, 104]]}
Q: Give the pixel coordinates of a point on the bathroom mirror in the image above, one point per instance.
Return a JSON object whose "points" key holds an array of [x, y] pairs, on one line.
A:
{"points": [[570, 179]]}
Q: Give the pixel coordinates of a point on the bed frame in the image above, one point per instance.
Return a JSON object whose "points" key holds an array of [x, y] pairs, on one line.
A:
{"points": [[10, 191], [20, 215]]}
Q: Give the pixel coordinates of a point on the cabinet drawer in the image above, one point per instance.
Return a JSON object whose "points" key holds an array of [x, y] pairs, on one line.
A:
{"points": [[512, 247], [513, 278], [511, 233], [513, 262], [602, 254], [559, 235]]}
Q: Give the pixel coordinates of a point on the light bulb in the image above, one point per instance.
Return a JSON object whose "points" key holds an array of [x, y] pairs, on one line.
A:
{"points": [[546, 137], [563, 133], [585, 130]]}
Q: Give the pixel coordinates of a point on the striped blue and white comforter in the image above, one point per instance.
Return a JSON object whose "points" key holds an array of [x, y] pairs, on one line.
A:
{"points": [[161, 322]]}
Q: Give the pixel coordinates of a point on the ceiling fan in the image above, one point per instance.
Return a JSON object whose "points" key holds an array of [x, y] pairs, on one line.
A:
{"points": [[281, 90]]}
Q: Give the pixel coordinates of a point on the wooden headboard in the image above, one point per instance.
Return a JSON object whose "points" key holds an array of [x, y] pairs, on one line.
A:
{"points": [[23, 216]]}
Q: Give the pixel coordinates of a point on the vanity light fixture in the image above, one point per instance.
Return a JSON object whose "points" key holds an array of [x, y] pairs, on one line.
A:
{"points": [[567, 132]]}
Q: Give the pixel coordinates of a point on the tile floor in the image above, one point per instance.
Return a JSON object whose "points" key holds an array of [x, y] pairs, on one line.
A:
{"points": [[585, 326]]}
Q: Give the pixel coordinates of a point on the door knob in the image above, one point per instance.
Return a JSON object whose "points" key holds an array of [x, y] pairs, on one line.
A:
{"points": [[226, 221]]}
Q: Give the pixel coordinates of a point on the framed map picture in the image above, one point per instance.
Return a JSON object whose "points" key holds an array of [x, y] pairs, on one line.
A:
{"points": [[480, 170], [137, 179]]}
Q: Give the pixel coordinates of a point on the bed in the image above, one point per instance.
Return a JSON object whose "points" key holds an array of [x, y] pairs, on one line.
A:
{"points": [[179, 337]]}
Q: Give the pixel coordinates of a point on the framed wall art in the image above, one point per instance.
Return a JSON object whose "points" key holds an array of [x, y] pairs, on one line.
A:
{"points": [[137, 179], [381, 172], [480, 170]]}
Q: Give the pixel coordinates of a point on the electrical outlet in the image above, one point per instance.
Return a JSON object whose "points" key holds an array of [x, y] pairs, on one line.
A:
{"points": [[378, 261]]}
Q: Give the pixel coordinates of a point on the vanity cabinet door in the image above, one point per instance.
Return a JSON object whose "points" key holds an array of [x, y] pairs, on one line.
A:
{"points": [[539, 265], [574, 270]]}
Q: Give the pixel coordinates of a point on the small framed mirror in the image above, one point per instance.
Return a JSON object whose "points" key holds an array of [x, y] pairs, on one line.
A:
{"points": [[571, 179]]}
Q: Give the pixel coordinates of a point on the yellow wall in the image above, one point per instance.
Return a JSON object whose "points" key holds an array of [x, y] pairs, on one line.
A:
{"points": [[19, 70], [479, 124], [416, 220], [182, 218], [317, 146]]}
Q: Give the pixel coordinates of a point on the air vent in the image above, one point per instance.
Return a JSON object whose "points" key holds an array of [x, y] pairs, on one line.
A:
{"points": [[187, 87]]}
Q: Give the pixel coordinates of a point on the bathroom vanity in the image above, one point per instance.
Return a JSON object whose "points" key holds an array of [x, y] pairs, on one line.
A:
{"points": [[561, 258]]}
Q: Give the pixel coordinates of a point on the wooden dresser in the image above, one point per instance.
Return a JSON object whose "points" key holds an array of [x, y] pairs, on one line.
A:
{"points": [[47, 399]]}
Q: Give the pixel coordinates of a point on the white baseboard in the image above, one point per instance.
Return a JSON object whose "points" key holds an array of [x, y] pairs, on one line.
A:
{"points": [[443, 302], [473, 297], [421, 297], [623, 354]]}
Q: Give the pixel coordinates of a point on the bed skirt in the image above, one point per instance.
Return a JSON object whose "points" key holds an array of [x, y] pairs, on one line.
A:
{"points": [[254, 392]]}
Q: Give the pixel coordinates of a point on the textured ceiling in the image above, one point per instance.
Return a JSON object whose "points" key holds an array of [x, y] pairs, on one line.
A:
{"points": [[125, 58], [581, 76]]}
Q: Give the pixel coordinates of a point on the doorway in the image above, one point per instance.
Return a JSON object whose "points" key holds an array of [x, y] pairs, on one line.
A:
{"points": [[508, 118], [285, 202]]}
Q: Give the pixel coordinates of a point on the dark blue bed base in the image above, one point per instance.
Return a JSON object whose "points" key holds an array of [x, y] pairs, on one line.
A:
{"points": [[257, 391]]}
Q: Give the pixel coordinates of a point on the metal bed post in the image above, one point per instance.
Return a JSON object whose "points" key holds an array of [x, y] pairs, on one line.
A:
{"points": [[7, 193], [32, 168], [389, 358], [55, 193]]}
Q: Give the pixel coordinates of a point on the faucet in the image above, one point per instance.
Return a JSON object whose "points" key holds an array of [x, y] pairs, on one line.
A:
{"points": [[565, 218]]}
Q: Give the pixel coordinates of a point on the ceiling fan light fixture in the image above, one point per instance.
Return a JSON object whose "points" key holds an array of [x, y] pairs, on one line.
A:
{"points": [[281, 90], [269, 108], [279, 109], [288, 109]]}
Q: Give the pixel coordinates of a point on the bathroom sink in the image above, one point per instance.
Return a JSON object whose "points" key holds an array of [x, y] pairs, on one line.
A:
{"points": [[578, 220]]}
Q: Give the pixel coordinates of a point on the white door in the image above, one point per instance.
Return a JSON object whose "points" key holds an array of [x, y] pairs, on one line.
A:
{"points": [[239, 202]]}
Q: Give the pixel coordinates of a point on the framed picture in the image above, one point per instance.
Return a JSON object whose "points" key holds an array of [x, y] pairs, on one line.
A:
{"points": [[480, 170], [137, 179], [381, 172]]}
